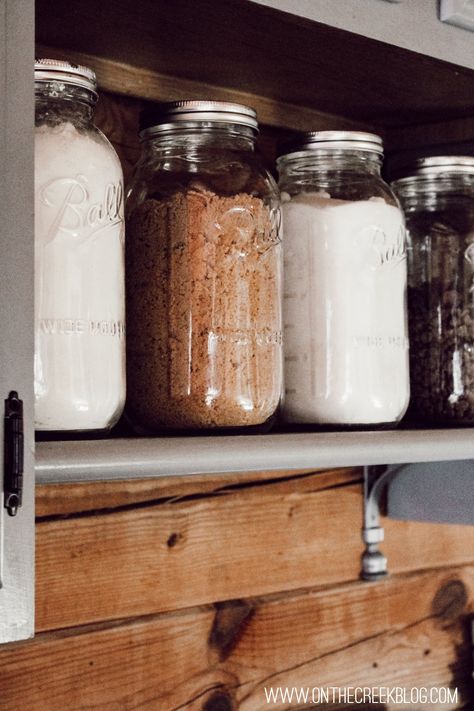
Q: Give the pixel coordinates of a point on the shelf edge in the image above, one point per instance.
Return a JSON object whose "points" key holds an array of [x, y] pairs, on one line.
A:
{"points": [[119, 459]]}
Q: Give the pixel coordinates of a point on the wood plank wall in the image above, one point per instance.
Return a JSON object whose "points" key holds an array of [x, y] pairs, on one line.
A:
{"points": [[197, 593]]}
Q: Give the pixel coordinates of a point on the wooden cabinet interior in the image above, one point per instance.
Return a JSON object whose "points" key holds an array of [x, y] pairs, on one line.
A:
{"points": [[298, 74]]}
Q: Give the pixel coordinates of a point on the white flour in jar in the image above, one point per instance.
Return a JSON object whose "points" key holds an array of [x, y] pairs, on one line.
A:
{"points": [[79, 281], [346, 349]]}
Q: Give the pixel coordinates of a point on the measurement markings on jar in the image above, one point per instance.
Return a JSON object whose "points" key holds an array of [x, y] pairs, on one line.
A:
{"points": [[244, 337], [381, 341], [70, 326]]}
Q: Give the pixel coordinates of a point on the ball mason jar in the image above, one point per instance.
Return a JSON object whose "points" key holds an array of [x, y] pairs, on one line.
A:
{"points": [[344, 311], [79, 257], [203, 273], [437, 195]]}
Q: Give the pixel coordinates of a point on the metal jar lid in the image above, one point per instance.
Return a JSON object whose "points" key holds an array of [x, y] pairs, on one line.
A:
{"points": [[48, 70], [192, 111], [331, 140], [433, 166]]}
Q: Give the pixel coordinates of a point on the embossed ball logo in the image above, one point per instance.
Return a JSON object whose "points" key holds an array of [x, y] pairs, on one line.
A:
{"points": [[73, 212], [383, 249], [245, 231]]}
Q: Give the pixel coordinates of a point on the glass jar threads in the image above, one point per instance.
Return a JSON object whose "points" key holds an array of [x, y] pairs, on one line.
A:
{"points": [[79, 257], [437, 195], [344, 313], [203, 273]]}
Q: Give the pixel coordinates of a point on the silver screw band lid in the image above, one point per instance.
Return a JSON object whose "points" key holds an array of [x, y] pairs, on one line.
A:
{"points": [[332, 140], [432, 166], [48, 70], [194, 111]]}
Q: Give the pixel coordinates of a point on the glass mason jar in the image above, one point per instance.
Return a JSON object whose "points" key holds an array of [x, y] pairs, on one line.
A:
{"points": [[203, 273], [344, 311], [437, 195], [79, 257]]}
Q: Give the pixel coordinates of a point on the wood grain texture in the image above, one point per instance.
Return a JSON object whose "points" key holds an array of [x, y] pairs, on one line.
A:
{"points": [[405, 631], [256, 51], [444, 138], [444, 133], [168, 555], [131, 81], [64, 499], [174, 555]]}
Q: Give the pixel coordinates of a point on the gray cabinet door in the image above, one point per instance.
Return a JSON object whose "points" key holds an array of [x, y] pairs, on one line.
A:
{"points": [[16, 306]]}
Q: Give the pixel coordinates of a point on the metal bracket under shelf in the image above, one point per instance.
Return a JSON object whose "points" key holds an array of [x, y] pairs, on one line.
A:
{"points": [[440, 492]]}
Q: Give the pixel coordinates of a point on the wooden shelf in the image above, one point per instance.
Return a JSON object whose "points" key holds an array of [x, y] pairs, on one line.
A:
{"points": [[128, 80], [288, 67], [69, 461], [299, 75]]}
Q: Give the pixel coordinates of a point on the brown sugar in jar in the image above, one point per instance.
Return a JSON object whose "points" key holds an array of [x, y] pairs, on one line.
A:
{"points": [[203, 289]]}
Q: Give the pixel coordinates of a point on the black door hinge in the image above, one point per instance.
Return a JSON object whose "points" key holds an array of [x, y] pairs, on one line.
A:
{"points": [[13, 454]]}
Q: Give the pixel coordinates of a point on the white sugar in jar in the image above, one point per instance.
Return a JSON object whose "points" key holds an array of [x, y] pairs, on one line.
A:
{"points": [[79, 258], [344, 310]]}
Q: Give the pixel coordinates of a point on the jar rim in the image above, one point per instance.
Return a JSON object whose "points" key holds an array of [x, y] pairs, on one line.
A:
{"points": [[321, 141], [175, 113], [432, 167], [50, 70]]}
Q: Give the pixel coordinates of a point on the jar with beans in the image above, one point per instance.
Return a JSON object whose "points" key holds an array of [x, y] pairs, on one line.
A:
{"points": [[437, 195]]}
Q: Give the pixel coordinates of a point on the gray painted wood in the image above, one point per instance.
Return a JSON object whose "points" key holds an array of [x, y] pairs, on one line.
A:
{"points": [[16, 301], [412, 24], [168, 456], [441, 492]]}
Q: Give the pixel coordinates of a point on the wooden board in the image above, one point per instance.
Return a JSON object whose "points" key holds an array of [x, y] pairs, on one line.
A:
{"points": [[95, 496], [138, 82], [445, 138], [445, 133], [240, 542], [251, 49], [405, 631]]}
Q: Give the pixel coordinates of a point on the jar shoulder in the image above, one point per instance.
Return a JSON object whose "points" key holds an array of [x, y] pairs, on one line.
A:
{"points": [[339, 185], [226, 173], [65, 145]]}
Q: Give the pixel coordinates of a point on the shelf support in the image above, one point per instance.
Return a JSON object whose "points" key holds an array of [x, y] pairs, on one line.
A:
{"points": [[439, 492], [373, 561]]}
